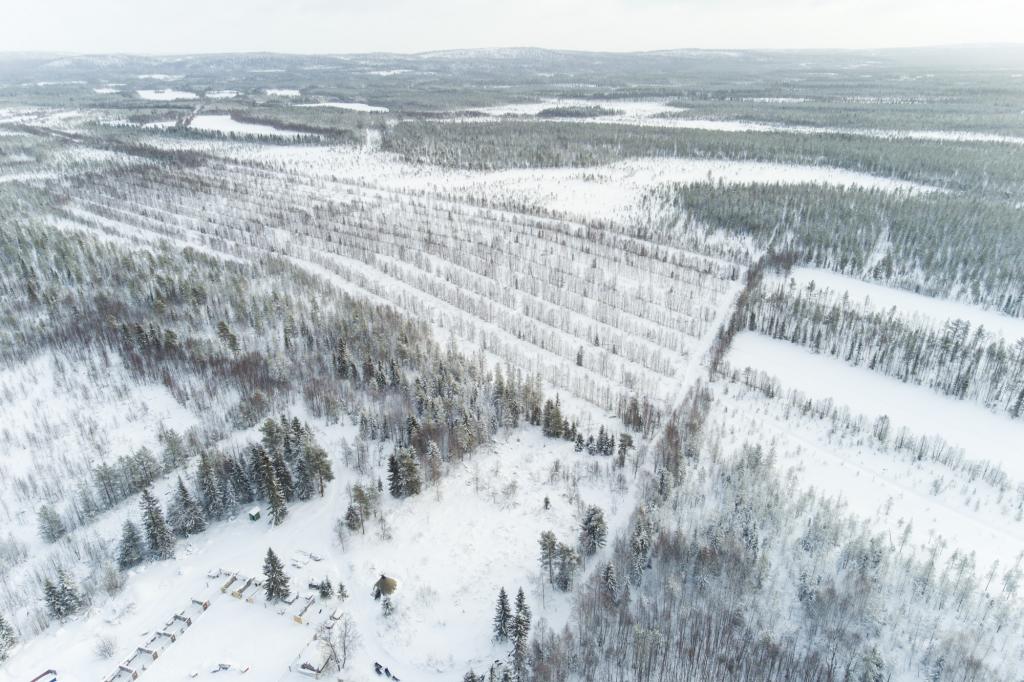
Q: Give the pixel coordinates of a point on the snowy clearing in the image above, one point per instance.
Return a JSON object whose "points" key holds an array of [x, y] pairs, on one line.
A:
{"points": [[909, 303], [983, 435], [351, 106], [223, 123], [221, 94], [283, 92], [166, 95]]}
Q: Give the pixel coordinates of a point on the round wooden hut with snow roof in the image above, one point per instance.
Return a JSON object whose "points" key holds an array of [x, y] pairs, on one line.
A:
{"points": [[384, 587]]}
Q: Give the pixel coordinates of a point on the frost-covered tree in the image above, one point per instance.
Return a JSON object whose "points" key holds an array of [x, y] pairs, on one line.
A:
{"points": [[593, 531], [184, 515], [210, 490], [130, 550], [395, 486], [51, 527], [158, 535], [548, 553], [7, 639], [276, 502], [275, 583], [566, 561], [520, 634], [62, 598], [502, 617], [609, 584]]}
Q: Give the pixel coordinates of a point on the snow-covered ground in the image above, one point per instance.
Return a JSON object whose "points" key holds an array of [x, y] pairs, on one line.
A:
{"points": [[982, 434], [656, 113], [166, 95], [910, 304], [282, 92], [351, 106], [451, 548], [893, 491], [221, 94], [223, 123]]}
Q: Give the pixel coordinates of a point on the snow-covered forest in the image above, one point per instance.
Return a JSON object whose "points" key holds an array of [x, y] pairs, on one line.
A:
{"points": [[512, 366]]}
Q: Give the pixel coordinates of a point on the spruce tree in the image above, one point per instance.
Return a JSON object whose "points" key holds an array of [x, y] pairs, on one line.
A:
{"points": [[7, 639], [353, 518], [130, 551], [609, 584], [593, 531], [209, 492], [284, 477], [395, 486], [276, 502], [184, 515], [276, 582], [520, 634], [158, 535], [411, 483], [502, 618]]}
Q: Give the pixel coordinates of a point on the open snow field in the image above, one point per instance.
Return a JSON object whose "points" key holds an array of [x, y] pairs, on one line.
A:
{"points": [[658, 114], [166, 95], [982, 434], [894, 491], [223, 123], [351, 106], [917, 306]]}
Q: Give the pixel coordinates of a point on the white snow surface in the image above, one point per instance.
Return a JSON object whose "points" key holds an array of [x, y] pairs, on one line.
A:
{"points": [[223, 123], [911, 304], [982, 434], [166, 95], [282, 92], [351, 106], [221, 94]]}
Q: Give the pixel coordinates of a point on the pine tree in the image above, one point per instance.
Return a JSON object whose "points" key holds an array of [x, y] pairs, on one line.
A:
{"points": [[276, 582], [130, 551], [158, 535], [520, 634], [567, 561], [7, 639], [319, 465], [325, 588], [184, 515], [502, 618], [548, 553], [51, 528], [593, 531]]}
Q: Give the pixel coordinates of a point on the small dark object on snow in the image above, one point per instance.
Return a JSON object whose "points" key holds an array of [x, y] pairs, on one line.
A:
{"points": [[377, 668], [387, 672]]}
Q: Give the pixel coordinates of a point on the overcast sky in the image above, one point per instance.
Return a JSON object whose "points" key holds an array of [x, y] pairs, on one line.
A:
{"points": [[317, 26]]}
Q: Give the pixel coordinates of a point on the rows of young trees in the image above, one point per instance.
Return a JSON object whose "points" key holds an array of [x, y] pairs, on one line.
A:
{"points": [[233, 342]]}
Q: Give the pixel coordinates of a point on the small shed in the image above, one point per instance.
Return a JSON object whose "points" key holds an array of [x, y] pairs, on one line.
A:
{"points": [[384, 586], [254, 514]]}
